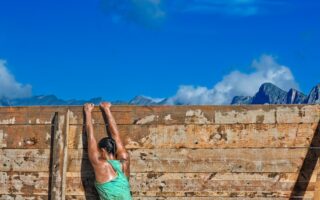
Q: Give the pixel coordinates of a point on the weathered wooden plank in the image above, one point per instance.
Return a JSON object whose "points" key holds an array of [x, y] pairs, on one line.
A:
{"points": [[225, 195], [18, 118], [29, 109], [25, 136], [28, 160], [36, 183], [201, 114], [253, 135], [206, 198], [236, 114], [142, 115], [297, 114], [266, 114], [161, 184], [178, 183], [209, 196], [225, 115], [78, 197], [28, 115], [168, 136], [261, 115], [191, 185], [24, 183], [22, 197], [170, 114], [27, 183], [74, 197], [170, 160], [206, 160], [203, 136], [270, 114], [59, 156], [44, 115], [202, 176]]}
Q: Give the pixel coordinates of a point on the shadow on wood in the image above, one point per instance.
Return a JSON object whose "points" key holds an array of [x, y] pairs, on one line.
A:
{"points": [[308, 166], [87, 181], [54, 127]]}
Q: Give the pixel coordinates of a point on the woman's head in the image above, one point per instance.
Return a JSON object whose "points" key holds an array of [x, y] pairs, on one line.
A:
{"points": [[109, 145]]}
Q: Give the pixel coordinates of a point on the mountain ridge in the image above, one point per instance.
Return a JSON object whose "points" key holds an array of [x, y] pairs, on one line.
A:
{"points": [[268, 93]]}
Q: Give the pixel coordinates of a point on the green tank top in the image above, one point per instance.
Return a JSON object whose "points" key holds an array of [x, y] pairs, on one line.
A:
{"points": [[116, 189]]}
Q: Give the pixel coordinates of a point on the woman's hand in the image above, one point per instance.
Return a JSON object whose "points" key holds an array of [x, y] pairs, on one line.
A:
{"points": [[88, 107], [105, 105]]}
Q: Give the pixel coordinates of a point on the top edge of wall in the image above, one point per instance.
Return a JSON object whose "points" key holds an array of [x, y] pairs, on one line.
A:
{"points": [[191, 105]]}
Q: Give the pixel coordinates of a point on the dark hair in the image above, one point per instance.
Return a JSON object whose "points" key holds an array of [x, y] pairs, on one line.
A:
{"points": [[108, 144]]}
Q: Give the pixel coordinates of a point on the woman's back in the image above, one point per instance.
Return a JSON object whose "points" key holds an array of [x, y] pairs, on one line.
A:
{"points": [[116, 189]]}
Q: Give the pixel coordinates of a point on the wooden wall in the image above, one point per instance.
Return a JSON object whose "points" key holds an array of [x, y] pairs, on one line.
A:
{"points": [[177, 152]]}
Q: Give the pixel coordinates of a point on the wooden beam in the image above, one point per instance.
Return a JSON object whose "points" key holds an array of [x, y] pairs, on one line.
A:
{"points": [[65, 155], [59, 156]]}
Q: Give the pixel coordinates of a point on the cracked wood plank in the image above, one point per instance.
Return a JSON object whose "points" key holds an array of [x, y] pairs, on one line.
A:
{"points": [[181, 184], [160, 184]]}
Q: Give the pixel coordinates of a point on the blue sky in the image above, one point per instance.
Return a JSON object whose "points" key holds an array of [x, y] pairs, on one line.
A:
{"points": [[198, 51]]}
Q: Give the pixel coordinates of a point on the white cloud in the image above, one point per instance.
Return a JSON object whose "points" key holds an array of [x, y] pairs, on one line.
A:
{"points": [[236, 83], [153, 12], [223, 7], [9, 87], [144, 12]]}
